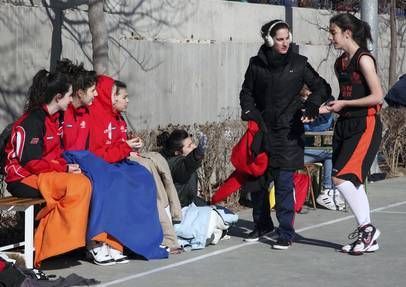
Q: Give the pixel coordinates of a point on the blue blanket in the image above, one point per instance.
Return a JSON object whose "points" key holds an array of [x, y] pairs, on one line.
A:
{"points": [[124, 203]]}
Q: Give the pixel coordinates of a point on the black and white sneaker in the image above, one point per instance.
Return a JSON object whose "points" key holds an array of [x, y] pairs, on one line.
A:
{"points": [[282, 244], [347, 248], [366, 240], [257, 233], [100, 255], [118, 256]]}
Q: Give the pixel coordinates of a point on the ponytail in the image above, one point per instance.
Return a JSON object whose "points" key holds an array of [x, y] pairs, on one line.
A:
{"points": [[81, 78], [362, 34], [361, 31], [45, 86], [35, 96]]}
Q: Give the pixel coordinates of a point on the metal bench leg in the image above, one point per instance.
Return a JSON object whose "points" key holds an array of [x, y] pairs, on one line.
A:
{"points": [[29, 236]]}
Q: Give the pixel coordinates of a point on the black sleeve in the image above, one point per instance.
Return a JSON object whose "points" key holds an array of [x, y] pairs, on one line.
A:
{"points": [[247, 100], [31, 132], [317, 85], [183, 167]]}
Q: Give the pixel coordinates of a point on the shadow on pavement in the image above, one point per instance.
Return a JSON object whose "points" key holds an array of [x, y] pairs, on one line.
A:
{"points": [[316, 242], [241, 228], [64, 261]]}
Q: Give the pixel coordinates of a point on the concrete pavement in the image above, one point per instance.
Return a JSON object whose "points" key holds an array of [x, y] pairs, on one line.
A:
{"points": [[312, 261]]}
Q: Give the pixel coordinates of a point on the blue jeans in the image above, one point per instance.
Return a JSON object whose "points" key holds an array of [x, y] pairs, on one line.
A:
{"points": [[325, 157]]}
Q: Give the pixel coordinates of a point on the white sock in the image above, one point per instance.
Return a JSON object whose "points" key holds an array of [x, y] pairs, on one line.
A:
{"points": [[357, 200]]}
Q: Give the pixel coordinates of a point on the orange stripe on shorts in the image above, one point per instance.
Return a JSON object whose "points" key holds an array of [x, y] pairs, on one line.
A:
{"points": [[354, 165]]}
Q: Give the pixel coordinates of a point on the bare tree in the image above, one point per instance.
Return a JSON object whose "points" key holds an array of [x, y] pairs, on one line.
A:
{"points": [[393, 43], [98, 30]]}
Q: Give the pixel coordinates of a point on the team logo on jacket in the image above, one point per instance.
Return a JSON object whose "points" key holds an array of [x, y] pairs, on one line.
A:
{"points": [[83, 125], [34, 141], [109, 131], [50, 138]]}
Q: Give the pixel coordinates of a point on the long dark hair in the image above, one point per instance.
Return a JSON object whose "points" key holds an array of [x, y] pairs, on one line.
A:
{"points": [[81, 78], [45, 86], [173, 142], [361, 31]]}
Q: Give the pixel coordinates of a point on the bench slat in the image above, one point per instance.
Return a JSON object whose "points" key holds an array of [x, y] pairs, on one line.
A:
{"points": [[10, 200]]}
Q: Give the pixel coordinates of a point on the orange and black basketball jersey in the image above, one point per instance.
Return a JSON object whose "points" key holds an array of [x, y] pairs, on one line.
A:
{"points": [[353, 84]]}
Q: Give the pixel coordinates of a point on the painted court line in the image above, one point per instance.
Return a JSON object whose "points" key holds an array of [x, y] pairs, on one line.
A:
{"points": [[218, 252], [392, 212]]}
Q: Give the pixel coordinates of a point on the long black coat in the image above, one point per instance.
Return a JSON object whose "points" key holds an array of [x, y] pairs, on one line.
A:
{"points": [[274, 91]]}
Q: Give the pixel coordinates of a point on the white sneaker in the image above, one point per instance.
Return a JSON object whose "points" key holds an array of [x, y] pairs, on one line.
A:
{"points": [[366, 240], [325, 200], [118, 256], [347, 248], [338, 200], [331, 199], [99, 254]]}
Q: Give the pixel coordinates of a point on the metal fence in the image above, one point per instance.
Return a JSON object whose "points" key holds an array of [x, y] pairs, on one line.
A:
{"points": [[342, 5]]}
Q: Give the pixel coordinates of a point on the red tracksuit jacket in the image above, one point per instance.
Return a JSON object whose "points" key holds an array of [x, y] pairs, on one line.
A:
{"points": [[76, 128], [35, 145]]}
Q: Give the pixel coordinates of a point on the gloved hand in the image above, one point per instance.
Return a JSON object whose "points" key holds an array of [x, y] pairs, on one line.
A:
{"points": [[202, 146], [311, 111], [251, 115]]}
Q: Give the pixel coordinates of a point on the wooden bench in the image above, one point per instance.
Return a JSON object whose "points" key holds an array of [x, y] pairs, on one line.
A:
{"points": [[323, 141], [27, 205], [314, 170]]}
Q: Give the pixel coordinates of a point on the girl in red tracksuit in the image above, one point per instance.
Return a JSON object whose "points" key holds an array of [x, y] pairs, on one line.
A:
{"points": [[76, 119], [108, 138], [76, 136], [35, 168], [85, 125], [358, 130]]}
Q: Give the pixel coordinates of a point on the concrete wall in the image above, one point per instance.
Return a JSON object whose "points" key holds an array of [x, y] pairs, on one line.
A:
{"points": [[184, 62]]}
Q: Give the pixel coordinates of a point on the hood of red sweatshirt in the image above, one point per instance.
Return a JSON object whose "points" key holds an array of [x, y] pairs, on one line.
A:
{"points": [[103, 101]]}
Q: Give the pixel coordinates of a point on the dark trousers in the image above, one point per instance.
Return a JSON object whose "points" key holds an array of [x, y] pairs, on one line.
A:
{"points": [[19, 189], [261, 210], [285, 213], [284, 202]]}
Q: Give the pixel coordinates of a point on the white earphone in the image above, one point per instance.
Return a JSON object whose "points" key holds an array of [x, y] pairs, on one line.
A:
{"points": [[269, 39]]}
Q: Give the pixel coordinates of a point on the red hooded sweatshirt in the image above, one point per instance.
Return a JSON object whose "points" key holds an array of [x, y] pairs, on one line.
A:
{"points": [[108, 133]]}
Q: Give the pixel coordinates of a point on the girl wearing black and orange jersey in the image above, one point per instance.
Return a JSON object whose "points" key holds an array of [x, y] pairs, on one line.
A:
{"points": [[35, 168], [357, 134]]}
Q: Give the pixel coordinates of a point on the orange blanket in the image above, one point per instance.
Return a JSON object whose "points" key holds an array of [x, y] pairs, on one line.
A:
{"points": [[63, 221]]}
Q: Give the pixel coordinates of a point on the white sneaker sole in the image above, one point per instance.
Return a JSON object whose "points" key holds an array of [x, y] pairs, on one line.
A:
{"points": [[251, 239], [280, 247], [326, 204], [372, 248], [122, 260], [108, 262], [104, 263], [369, 249]]}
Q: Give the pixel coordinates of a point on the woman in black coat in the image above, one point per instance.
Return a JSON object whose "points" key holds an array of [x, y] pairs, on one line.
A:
{"points": [[270, 96]]}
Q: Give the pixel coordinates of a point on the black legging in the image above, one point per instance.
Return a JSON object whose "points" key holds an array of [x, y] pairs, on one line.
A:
{"points": [[19, 189]]}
